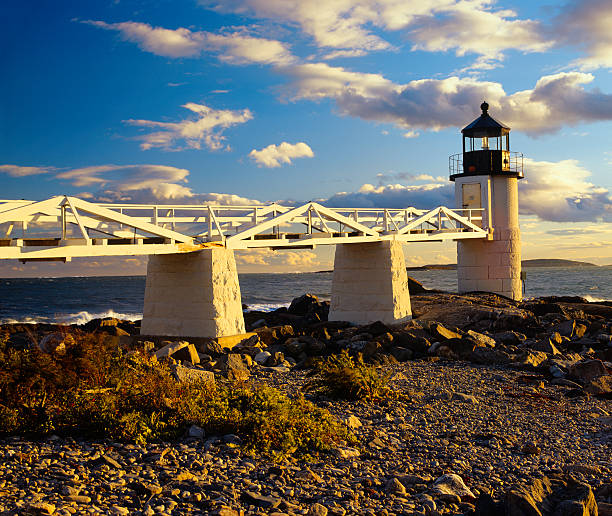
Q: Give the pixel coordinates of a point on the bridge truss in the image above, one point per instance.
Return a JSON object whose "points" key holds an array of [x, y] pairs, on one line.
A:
{"points": [[63, 227]]}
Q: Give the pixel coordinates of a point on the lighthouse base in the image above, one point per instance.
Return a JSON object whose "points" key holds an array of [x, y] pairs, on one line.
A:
{"points": [[491, 266]]}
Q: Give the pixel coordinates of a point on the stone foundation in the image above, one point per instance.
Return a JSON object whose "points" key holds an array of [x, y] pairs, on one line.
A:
{"points": [[370, 284], [494, 265], [193, 295]]}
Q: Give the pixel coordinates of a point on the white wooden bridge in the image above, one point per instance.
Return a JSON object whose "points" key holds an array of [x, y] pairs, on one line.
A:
{"points": [[63, 227], [192, 287]]}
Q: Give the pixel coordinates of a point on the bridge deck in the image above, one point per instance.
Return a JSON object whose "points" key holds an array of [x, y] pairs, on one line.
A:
{"points": [[63, 227]]}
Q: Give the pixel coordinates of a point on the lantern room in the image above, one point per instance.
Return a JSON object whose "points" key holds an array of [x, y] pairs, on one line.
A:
{"points": [[486, 150]]}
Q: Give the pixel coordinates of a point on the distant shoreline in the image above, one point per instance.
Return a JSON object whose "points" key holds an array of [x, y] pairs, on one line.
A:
{"points": [[539, 263]]}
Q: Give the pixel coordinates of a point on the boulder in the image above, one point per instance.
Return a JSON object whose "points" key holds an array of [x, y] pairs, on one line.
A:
{"points": [[546, 346], [461, 347], [511, 338], [577, 500], [600, 386], [295, 346], [544, 308], [451, 486], [401, 354], [587, 371], [274, 334], [309, 305], [394, 486], [234, 366], [262, 357], [531, 359], [409, 340], [440, 332], [375, 329], [532, 499], [180, 350], [416, 287], [481, 339], [192, 374], [565, 328], [488, 356]]}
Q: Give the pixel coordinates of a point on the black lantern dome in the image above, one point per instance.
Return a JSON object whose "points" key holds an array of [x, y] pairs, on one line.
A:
{"points": [[486, 150]]}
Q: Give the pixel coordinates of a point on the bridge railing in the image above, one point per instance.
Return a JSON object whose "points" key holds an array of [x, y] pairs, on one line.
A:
{"points": [[151, 228]]}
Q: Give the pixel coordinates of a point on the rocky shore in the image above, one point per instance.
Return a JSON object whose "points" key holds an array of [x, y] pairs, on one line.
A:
{"points": [[499, 408]]}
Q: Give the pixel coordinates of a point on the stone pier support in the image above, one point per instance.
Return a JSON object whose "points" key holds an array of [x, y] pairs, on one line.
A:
{"points": [[370, 284], [193, 295]]}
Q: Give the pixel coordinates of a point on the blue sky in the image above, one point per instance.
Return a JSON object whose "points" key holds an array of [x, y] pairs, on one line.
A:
{"points": [[356, 103]]}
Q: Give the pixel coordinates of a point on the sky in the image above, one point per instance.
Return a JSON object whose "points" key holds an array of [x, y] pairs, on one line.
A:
{"points": [[353, 103]]}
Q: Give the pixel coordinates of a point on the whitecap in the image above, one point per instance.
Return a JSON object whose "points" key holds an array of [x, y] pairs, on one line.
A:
{"points": [[84, 317]]}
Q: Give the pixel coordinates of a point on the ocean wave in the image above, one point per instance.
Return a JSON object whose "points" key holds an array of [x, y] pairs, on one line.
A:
{"points": [[265, 307], [593, 299], [25, 320], [78, 318], [84, 317]]}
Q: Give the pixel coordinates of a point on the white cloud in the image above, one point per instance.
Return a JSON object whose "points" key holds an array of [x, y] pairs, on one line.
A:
{"points": [[560, 192], [125, 181], [180, 42], [552, 191], [426, 196], [284, 259], [236, 47], [273, 155], [18, 171], [467, 26], [132, 183], [555, 101], [586, 24], [207, 128]]}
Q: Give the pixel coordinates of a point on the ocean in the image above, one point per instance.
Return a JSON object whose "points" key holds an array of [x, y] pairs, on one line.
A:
{"points": [[78, 300]]}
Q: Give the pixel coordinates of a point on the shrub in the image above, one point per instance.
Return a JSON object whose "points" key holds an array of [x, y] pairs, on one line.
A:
{"points": [[342, 376], [94, 389]]}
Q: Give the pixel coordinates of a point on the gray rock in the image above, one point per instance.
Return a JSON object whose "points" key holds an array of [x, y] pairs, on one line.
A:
{"points": [[481, 339], [181, 350], [234, 366], [262, 357], [394, 486], [316, 509], [451, 484], [546, 346], [192, 374], [588, 370], [195, 431], [465, 398], [352, 422], [532, 499], [268, 502], [531, 359]]}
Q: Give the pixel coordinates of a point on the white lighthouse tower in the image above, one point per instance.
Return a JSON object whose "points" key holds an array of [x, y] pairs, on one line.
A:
{"points": [[486, 176]]}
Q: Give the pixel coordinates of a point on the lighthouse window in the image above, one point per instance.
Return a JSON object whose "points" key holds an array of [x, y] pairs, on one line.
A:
{"points": [[485, 143]]}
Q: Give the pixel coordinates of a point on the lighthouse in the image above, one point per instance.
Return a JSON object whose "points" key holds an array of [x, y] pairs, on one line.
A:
{"points": [[486, 178]]}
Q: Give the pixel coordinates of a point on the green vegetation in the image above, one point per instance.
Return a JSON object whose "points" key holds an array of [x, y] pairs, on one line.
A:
{"points": [[94, 389], [342, 376]]}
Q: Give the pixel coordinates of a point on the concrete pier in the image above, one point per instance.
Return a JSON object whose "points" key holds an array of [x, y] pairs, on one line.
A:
{"points": [[193, 295], [492, 265], [370, 284]]}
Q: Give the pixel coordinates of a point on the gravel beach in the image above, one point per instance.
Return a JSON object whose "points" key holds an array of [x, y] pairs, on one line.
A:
{"points": [[457, 437]]}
